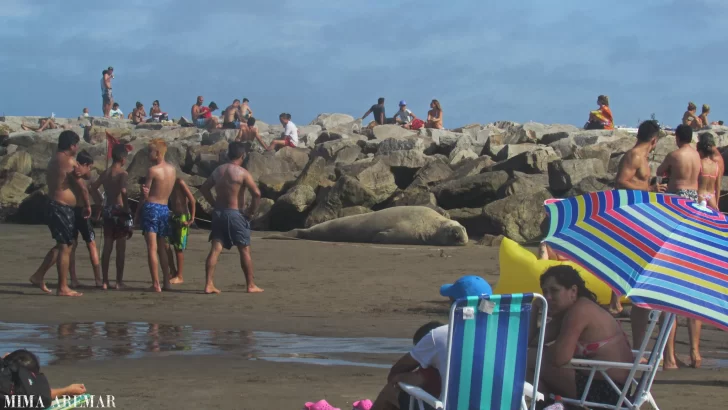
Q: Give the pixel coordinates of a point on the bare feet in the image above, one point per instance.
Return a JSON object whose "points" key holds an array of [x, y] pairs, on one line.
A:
{"points": [[670, 364], [68, 292], [177, 280], [39, 284], [254, 289], [695, 360], [119, 285], [209, 289], [155, 288], [104, 286]]}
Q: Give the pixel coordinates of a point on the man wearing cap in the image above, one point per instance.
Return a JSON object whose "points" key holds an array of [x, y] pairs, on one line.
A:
{"points": [[430, 351], [406, 118], [106, 95]]}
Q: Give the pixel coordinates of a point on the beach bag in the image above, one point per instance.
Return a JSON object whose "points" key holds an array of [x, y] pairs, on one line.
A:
{"points": [[417, 124]]}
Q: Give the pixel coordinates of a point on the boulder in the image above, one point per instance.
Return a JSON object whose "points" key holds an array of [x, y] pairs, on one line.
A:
{"points": [[217, 135], [18, 161], [97, 134], [524, 183], [259, 164], [432, 173], [511, 150], [205, 158], [406, 159], [599, 152], [327, 207], [520, 217], [591, 183], [532, 132], [564, 174], [533, 162], [328, 121], [470, 167], [477, 132], [329, 149], [470, 192], [289, 211], [383, 132], [413, 196], [376, 176], [308, 134], [316, 174], [347, 155], [353, 210], [12, 189], [471, 219], [274, 185], [564, 148], [261, 219], [390, 145], [296, 158], [111, 123], [347, 192]]}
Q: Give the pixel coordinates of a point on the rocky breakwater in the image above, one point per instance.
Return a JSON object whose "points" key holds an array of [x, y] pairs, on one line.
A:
{"points": [[491, 178]]}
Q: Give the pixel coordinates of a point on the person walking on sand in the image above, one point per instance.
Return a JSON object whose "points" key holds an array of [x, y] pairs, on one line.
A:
{"points": [[183, 206], [683, 167], [158, 187], [230, 226], [65, 189], [118, 222], [633, 172]]}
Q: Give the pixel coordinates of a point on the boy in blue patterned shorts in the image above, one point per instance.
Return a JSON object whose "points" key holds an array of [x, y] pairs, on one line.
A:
{"points": [[154, 211]]}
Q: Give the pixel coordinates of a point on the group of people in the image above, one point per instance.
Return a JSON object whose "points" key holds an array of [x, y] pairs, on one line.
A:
{"points": [[404, 117], [165, 212], [698, 122]]}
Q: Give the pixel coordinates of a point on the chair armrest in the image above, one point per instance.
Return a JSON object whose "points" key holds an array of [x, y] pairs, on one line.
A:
{"points": [[421, 395], [528, 392], [604, 365]]}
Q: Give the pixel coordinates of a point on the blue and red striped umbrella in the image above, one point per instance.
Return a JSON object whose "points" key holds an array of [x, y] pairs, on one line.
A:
{"points": [[662, 251]]}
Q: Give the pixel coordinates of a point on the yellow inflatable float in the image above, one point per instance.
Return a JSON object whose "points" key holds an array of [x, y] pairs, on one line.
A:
{"points": [[520, 270]]}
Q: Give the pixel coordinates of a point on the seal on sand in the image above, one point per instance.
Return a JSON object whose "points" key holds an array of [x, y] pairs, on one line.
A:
{"points": [[405, 225]]}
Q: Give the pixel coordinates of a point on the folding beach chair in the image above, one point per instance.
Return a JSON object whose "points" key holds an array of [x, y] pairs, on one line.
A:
{"points": [[72, 402], [487, 355], [642, 384]]}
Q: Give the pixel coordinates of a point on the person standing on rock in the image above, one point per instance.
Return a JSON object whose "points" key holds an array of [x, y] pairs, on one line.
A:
{"points": [[230, 225], [106, 95], [634, 173], [289, 137], [683, 166], [154, 207], [65, 189]]}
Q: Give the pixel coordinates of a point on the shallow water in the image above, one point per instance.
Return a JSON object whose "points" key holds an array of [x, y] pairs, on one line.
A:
{"points": [[72, 342]]}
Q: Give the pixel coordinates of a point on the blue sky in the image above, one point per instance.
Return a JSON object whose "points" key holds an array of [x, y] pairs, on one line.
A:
{"points": [[544, 61]]}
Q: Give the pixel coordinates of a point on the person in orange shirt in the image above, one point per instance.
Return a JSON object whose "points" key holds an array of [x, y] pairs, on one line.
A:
{"points": [[601, 119]]}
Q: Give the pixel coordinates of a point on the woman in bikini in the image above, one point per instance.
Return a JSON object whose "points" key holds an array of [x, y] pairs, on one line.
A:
{"points": [[579, 328], [434, 116], [709, 171]]}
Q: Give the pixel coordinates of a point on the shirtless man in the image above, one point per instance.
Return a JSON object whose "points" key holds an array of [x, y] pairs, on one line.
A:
{"points": [[230, 225], [232, 116], [634, 173], [64, 189], [196, 111], [155, 212], [245, 110], [249, 132], [183, 205], [683, 167], [118, 222]]}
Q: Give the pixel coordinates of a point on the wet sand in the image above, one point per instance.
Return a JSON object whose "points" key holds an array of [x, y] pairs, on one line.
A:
{"points": [[311, 288]]}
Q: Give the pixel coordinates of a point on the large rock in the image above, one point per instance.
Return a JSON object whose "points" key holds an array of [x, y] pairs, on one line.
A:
{"points": [[329, 149], [524, 183], [564, 174], [406, 159], [416, 195], [328, 121], [316, 174], [564, 148], [347, 155], [217, 135], [383, 132], [261, 219], [374, 175], [511, 150], [203, 159], [347, 192], [520, 217], [432, 173], [354, 210], [599, 152], [259, 164], [531, 132], [97, 134], [470, 192], [274, 185], [591, 183], [12, 189], [296, 158], [533, 162], [470, 167], [390, 145], [472, 219], [289, 211], [19, 161], [308, 134]]}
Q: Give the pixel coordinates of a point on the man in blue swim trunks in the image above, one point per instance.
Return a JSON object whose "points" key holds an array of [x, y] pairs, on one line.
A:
{"points": [[155, 212], [230, 224], [196, 113]]}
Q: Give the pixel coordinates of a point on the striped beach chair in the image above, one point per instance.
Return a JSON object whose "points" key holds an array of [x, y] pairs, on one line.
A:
{"points": [[487, 355]]}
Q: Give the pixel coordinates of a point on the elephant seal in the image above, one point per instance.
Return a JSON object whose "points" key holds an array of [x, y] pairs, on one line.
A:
{"points": [[405, 225]]}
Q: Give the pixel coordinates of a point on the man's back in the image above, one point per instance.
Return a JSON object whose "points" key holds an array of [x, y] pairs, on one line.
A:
{"points": [[229, 186], [163, 178], [684, 169], [114, 183]]}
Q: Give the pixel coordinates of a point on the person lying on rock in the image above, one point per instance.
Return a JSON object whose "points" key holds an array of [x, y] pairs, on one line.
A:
{"points": [[45, 124]]}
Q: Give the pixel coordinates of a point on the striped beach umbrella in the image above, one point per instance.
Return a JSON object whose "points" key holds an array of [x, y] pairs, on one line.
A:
{"points": [[662, 251]]}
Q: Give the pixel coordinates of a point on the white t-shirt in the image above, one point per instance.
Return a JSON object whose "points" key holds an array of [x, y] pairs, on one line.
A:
{"points": [[431, 351], [291, 131], [116, 113], [406, 116]]}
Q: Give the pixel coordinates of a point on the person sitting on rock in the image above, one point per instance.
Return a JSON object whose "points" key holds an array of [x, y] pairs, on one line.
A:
{"points": [[289, 136], [690, 119], [139, 115], [156, 113], [85, 112], [116, 112], [601, 118], [206, 119], [196, 112], [45, 124], [249, 132], [245, 109], [380, 117], [434, 116], [232, 116], [704, 115], [406, 118]]}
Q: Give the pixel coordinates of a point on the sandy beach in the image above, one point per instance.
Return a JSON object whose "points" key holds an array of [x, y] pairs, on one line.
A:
{"points": [[184, 349]]}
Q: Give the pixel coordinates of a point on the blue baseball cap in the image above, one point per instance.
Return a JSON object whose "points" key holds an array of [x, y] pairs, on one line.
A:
{"points": [[403, 102], [469, 285]]}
